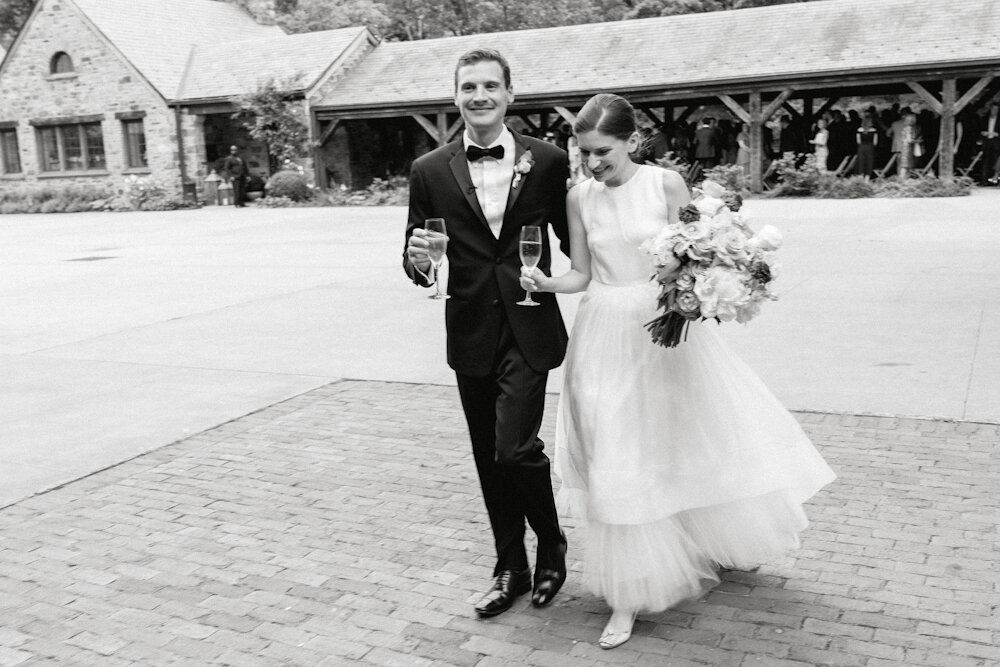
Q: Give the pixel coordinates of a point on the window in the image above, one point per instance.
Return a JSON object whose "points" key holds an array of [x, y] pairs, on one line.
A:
{"points": [[10, 157], [71, 147], [135, 144], [61, 64]]}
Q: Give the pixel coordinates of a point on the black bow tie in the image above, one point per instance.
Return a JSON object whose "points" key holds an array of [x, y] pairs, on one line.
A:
{"points": [[474, 153]]}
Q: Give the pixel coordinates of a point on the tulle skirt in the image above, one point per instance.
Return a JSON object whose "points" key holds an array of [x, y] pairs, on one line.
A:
{"points": [[678, 459]]}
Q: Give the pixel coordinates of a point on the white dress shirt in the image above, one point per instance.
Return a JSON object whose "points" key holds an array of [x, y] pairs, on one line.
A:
{"points": [[492, 179]]}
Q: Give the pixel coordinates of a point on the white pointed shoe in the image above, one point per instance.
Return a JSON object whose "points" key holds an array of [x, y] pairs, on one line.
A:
{"points": [[612, 638]]}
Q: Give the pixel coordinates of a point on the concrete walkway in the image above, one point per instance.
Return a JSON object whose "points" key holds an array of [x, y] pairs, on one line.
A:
{"points": [[123, 332], [318, 505]]}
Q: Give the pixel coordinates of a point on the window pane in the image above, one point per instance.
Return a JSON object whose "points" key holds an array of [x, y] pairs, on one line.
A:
{"points": [[135, 143], [49, 144], [95, 146], [11, 161], [72, 147], [61, 64]]}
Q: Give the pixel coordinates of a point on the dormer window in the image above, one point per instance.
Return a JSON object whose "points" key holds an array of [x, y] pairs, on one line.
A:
{"points": [[61, 64]]}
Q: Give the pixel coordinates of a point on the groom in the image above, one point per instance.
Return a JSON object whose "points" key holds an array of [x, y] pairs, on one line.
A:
{"points": [[487, 185]]}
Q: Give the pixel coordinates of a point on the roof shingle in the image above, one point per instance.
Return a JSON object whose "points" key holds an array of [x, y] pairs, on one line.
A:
{"points": [[780, 42], [157, 36], [232, 68]]}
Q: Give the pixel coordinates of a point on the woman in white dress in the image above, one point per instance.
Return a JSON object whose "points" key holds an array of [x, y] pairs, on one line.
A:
{"points": [[680, 460], [819, 142]]}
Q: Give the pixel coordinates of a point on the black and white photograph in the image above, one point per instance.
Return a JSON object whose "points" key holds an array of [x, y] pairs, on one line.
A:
{"points": [[499, 333]]}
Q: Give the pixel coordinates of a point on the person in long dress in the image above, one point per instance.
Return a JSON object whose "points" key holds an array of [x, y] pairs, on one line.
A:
{"points": [[819, 142], [680, 461]]}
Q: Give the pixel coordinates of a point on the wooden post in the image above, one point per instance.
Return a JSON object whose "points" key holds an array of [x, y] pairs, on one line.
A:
{"points": [[442, 128], [319, 164], [756, 143], [946, 146]]}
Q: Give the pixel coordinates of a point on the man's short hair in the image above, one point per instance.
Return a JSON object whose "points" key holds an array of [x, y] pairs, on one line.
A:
{"points": [[480, 55]]}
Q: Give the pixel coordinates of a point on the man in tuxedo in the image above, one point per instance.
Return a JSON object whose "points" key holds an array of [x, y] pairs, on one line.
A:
{"points": [[487, 186]]}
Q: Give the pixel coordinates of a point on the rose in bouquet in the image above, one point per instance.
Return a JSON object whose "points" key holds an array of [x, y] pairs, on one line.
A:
{"points": [[710, 265]]}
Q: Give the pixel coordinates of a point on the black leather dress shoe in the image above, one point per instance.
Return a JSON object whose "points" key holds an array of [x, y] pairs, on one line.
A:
{"points": [[508, 585], [549, 580], [547, 584]]}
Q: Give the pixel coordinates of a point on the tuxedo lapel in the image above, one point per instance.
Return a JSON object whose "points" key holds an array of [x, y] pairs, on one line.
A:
{"points": [[520, 148], [460, 169]]}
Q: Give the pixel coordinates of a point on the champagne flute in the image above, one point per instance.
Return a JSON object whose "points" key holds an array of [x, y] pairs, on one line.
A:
{"points": [[531, 252], [437, 245]]}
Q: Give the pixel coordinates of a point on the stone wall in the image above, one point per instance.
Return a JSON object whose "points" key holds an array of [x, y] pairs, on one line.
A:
{"points": [[103, 84]]}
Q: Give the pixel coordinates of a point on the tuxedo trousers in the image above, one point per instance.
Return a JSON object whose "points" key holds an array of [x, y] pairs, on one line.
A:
{"points": [[504, 413]]}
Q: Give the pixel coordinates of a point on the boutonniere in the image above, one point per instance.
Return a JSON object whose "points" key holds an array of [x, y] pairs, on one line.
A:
{"points": [[522, 167]]}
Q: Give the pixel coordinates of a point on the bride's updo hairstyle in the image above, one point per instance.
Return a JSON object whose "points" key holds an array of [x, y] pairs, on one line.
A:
{"points": [[607, 113]]}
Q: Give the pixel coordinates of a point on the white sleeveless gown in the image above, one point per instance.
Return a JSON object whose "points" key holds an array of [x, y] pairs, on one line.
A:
{"points": [[678, 458]]}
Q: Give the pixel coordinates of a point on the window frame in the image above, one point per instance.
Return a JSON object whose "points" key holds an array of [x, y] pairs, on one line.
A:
{"points": [[6, 169], [59, 58], [73, 144], [134, 144]]}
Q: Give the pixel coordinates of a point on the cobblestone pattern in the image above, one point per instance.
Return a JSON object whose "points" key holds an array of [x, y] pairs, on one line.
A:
{"points": [[346, 526]]}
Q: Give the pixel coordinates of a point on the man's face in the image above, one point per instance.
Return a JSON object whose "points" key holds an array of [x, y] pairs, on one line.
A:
{"points": [[481, 95]]}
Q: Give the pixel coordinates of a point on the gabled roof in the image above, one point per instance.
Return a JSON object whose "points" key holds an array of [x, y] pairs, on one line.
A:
{"points": [[777, 43], [157, 36], [226, 69]]}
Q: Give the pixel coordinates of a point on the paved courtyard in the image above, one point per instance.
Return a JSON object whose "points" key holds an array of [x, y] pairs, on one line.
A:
{"points": [[338, 526], [229, 437]]}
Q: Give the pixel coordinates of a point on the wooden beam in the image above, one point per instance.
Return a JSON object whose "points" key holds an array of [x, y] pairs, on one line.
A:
{"points": [[442, 128], [972, 93], [652, 115], [926, 95], [756, 143], [776, 103], [827, 106], [428, 126], [328, 132], [567, 114], [527, 120], [454, 128], [792, 110], [736, 108], [684, 114], [946, 144]]}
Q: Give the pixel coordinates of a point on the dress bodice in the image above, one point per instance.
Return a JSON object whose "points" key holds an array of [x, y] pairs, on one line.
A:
{"points": [[617, 221]]}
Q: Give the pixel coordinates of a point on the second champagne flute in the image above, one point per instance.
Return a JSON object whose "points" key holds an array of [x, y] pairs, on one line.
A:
{"points": [[531, 253], [437, 245]]}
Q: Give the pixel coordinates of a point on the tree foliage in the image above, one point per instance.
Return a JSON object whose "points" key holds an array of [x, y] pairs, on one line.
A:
{"points": [[422, 19], [272, 117]]}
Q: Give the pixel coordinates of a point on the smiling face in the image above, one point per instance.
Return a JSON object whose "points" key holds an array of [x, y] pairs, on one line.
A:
{"points": [[607, 157], [482, 98]]}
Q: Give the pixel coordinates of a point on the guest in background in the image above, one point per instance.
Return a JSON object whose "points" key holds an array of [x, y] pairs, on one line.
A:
{"points": [[743, 149], [867, 140], [819, 142], [235, 167], [990, 135], [706, 143]]}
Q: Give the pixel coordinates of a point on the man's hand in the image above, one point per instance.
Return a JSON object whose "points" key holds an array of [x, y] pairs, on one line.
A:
{"points": [[416, 250]]}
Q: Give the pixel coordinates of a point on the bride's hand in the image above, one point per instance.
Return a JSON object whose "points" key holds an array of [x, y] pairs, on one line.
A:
{"points": [[533, 280]]}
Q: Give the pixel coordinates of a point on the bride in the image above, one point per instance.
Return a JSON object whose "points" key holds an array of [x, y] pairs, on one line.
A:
{"points": [[680, 460]]}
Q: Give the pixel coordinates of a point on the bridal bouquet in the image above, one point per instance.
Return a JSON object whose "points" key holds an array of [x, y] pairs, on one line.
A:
{"points": [[711, 265]]}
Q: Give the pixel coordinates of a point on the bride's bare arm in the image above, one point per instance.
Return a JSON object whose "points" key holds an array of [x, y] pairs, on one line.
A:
{"points": [[678, 195], [578, 276]]}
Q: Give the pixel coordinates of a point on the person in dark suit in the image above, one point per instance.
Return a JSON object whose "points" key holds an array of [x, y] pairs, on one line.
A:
{"points": [[706, 143], [238, 172], [990, 135], [487, 186]]}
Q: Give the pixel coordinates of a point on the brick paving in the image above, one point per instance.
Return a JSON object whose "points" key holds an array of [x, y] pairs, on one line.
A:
{"points": [[345, 526]]}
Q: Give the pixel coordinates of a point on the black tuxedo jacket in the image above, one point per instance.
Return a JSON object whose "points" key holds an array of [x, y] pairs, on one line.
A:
{"points": [[484, 270]]}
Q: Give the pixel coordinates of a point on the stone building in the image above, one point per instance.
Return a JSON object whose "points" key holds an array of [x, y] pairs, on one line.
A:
{"points": [[97, 90]]}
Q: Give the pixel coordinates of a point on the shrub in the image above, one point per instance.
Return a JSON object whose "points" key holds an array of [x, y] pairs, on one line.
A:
{"points": [[392, 192], [797, 175], [274, 202], [923, 186], [855, 187], [730, 176], [290, 184], [255, 184], [53, 199], [672, 162]]}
